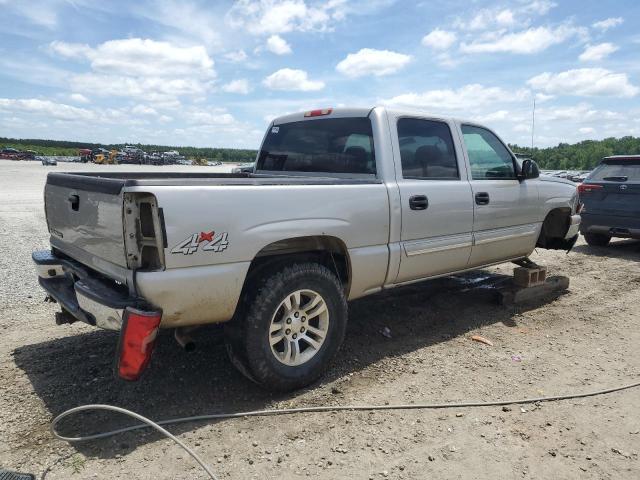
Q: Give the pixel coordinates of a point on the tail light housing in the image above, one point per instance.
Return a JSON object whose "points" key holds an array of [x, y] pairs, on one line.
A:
{"points": [[588, 188], [137, 341], [319, 113]]}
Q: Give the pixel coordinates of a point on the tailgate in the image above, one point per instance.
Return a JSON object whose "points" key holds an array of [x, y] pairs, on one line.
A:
{"points": [[614, 198], [84, 215]]}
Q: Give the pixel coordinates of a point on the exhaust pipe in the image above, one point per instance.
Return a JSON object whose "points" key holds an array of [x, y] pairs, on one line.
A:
{"points": [[184, 339]]}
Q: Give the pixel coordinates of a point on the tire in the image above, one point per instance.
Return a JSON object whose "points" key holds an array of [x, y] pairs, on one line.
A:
{"points": [[285, 356], [597, 239]]}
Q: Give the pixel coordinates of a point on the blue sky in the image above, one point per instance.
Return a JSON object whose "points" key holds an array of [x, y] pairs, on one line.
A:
{"points": [[214, 73]]}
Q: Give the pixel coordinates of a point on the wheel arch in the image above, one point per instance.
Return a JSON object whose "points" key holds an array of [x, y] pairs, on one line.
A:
{"points": [[326, 250], [554, 229]]}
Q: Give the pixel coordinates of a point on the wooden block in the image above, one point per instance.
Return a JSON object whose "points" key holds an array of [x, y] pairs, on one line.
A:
{"points": [[515, 294], [529, 277]]}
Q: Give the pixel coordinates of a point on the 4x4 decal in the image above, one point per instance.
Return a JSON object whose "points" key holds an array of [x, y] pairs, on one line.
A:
{"points": [[210, 241]]}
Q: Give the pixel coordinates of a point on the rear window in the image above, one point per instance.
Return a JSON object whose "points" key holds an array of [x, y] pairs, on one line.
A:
{"points": [[617, 170], [336, 145]]}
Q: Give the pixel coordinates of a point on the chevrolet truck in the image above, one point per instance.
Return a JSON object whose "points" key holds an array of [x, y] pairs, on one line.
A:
{"points": [[341, 203]]}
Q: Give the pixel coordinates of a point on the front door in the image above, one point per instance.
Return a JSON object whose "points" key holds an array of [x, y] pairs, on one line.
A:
{"points": [[437, 205], [506, 210]]}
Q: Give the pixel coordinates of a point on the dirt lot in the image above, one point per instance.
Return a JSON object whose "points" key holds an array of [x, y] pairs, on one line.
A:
{"points": [[583, 340]]}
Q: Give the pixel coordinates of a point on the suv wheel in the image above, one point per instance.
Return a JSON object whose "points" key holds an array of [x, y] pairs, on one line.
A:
{"points": [[597, 239], [294, 324]]}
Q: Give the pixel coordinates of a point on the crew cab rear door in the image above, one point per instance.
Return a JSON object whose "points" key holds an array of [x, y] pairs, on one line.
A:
{"points": [[437, 208]]}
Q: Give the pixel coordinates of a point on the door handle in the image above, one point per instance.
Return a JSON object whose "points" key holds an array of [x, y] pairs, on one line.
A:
{"points": [[482, 198], [74, 200], [418, 202]]}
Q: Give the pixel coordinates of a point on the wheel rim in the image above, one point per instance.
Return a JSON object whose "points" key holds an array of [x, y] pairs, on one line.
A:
{"points": [[299, 327]]}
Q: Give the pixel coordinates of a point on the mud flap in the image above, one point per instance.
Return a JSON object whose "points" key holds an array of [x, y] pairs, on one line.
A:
{"points": [[570, 243]]}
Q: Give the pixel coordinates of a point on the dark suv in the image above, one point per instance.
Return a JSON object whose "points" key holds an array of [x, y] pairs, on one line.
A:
{"points": [[611, 199]]}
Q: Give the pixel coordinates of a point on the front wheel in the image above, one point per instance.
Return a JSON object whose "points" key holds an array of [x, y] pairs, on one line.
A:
{"points": [[597, 239], [295, 323]]}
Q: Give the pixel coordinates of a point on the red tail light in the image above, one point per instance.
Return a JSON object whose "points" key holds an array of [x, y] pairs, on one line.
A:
{"points": [[587, 188], [318, 113], [137, 340]]}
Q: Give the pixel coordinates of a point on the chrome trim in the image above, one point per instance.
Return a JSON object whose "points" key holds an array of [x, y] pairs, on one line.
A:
{"points": [[439, 244], [106, 317], [502, 234]]}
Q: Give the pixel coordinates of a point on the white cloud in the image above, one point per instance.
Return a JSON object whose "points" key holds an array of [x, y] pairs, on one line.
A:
{"points": [[585, 82], [143, 110], [278, 45], [186, 20], [467, 97], [593, 53], [240, 85], [580, 113], [493, 117], [608, 23], [212, 116], [46, 108], [79, 98], [276, 17], [587, 130], [141, 57], [439, 39], [532, 40], [372, 62], [151, 89], [539, 7], [490, 17], [235, 56], [70, 50], [501, 18], [290, 79]]}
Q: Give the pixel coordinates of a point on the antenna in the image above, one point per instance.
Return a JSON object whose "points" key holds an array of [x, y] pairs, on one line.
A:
{"points": [[533, 121]]}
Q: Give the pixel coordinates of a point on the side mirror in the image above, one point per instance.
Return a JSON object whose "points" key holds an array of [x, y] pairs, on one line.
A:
{"points": [[529, 170]]}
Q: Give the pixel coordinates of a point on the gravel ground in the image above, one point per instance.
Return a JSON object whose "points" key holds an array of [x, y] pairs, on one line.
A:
{"points": [[585, 339]]}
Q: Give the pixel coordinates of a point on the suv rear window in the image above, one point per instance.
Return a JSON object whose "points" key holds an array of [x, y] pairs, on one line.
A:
{"points": [[617, 170], [335, 145]]}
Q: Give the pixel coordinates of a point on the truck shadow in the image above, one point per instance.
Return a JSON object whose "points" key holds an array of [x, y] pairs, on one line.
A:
{"points": [[622, 249], [78, 370]]}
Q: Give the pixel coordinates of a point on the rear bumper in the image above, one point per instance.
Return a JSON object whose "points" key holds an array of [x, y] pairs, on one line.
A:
{"points": [[611, 225], [84, 295]]}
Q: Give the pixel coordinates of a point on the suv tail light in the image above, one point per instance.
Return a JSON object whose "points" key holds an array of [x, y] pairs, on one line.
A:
{"points": [[588, 188], [137, 340]]}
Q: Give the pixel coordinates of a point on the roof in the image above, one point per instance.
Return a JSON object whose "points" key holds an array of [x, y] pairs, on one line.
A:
{"points": [[343, 112]]}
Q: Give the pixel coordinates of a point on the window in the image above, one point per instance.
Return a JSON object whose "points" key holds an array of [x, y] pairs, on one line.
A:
{"points": [[336, 145], [488, 157], [426, 150], [617, 170]]}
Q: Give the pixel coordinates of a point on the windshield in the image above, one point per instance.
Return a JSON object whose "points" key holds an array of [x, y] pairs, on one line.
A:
{"points": [[617, 170], [336, 145]]}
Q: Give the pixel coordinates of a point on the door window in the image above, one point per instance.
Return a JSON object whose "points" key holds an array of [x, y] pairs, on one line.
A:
{"points": [[426, 150], [488, 157]]}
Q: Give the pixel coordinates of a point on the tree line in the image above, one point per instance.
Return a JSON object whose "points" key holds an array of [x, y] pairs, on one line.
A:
{"points": [[582, 155], [578, 156], [64, 148]]}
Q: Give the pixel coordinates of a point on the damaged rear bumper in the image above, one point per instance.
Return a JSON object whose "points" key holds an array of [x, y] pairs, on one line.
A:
{"points": [[83, 294]]}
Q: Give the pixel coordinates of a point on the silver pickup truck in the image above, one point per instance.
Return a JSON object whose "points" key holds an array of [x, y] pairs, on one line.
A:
{"points": [[342, 203]]}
